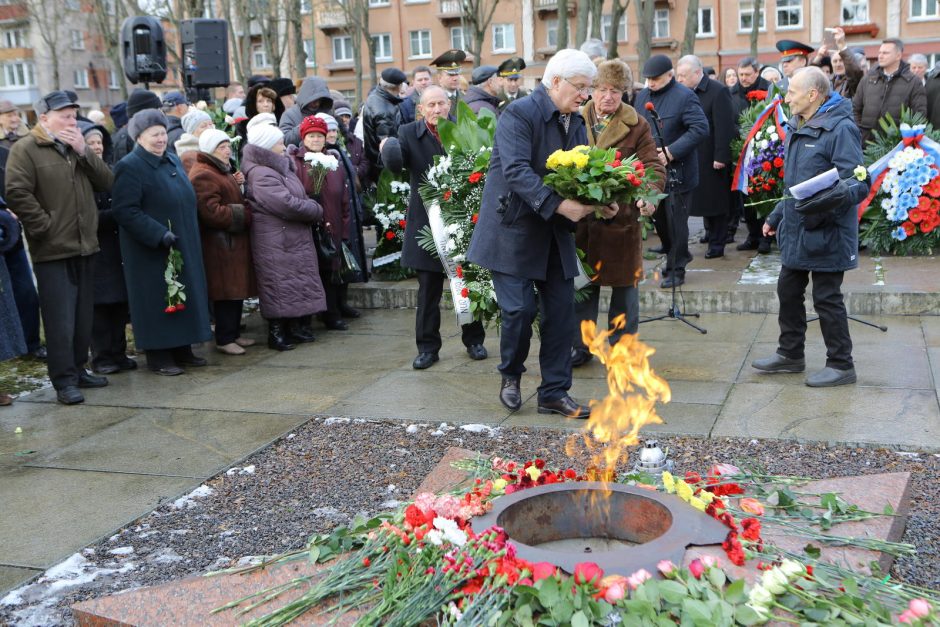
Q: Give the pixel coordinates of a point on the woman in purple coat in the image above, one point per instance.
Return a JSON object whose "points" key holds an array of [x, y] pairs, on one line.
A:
{"points": [[333, 196], [282, 247]]}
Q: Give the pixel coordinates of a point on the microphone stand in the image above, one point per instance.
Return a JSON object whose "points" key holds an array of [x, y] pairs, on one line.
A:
{"points": [[674, 313]]}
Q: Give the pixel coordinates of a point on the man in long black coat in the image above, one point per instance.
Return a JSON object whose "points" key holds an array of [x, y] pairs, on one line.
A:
{"points": [[684, 128], [712, 197], [414, 149]]}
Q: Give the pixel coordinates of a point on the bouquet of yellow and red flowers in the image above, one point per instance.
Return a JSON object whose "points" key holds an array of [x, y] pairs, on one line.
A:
{"points": [[599, 176]]}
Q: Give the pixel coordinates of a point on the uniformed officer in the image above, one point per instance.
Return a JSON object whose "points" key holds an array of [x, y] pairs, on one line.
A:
{"points": [[448, 75], [793, 56], [510, 71]]}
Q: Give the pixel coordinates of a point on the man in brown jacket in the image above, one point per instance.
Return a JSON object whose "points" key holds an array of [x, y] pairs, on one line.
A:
{"points": [[889, 86], [51, 179]]}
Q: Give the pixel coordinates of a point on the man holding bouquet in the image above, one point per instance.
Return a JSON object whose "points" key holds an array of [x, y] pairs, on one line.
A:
{"points": [[524, 232], [818, 234]]}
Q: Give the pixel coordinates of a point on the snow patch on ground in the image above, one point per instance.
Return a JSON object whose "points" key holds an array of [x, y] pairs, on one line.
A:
{"points": [[247, 470], [412, 429], [165, 556], [336, 420], [391, 504], [189, 500], [122, 550], [478, 428]]}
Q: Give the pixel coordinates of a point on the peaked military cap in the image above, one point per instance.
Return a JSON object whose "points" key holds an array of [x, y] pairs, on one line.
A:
{"points": [[790, 48], [511, 68], [450, 61]]}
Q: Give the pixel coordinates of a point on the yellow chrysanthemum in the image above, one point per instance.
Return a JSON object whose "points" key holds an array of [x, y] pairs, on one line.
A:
{"points": [[499, 485], [669, 482], [533, 472], [706, 496], [580, 160], [698, 503], [684, 490]]}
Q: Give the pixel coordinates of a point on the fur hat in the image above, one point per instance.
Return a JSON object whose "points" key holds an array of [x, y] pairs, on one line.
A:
{"points": [[211, 138], [143, 120], [615, 73]]}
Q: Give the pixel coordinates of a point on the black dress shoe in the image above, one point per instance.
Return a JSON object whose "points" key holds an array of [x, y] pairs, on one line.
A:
{"points": [[477, 352], [348, 312], [703, 239], [712, 254], [88, 380], [127, 364], [509, 393], [192, 361], [300, 334], [674, 279], [336, 325], [658, 250], [565, 406], [69, 395], [747, 244], [167, 371], [105, 368], [40, 354], [579, 357], [763, 248], [424, 361]]}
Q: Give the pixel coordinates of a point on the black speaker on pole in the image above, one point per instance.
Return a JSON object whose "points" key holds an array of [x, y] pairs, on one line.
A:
{"points": [[143, 49], [205, 53]]}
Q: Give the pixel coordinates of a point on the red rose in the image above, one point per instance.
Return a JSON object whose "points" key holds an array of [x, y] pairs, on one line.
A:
{"points": [[475, 177], [617, 155], [475, 217], [542, 570], [697, 568], [170, 309], [766, 166], [389, 235], [570, 474], [587, 572], [766, 187], [771, 181], [447, 195], [465, 292], [778, 162], [616, 163], [180, 307], [693, 477], [780, 173], [401, 223]]}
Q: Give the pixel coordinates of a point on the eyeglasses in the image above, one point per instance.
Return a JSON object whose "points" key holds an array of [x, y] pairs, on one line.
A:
{"points": [[584, 91]]}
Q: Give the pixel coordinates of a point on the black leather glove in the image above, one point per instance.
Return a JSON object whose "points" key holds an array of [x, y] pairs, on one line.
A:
{"points": [[169, 238]]}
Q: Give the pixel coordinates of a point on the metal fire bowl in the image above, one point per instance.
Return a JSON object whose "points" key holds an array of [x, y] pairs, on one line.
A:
{"points": [[661, 526]]}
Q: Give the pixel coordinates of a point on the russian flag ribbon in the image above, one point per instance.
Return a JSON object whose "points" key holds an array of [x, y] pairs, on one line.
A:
{"points": [[911, 136], [775, 108]]}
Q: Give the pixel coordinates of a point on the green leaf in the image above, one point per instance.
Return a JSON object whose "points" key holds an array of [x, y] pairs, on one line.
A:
{"points": [[594, 191], [717, 578], [812, 550], [746, 615], [734, 593], [888, 510], [548, 592], [672, 592], [579, 619], [523, 615], [697, 611], [314, 554]]}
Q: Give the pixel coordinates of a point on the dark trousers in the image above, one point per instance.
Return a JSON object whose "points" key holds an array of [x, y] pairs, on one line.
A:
{"points": [[755, 224], [736, 212], [166, 357], [623, 301], [24, 293], [109, 334], [428, 316], [66, 301], [555, 305], [671, 220], [332, 292], [228, 321], [717, 228], [829, 305]]}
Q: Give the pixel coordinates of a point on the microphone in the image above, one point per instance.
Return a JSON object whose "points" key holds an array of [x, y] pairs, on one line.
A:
{"points": [[652, 109]]}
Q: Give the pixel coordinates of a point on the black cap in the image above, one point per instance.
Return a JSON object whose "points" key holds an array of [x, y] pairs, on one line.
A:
{"points": [[175, 98], [71, 94], [656, 65], [450, 61], [258, 79], [54, 101], [483, 74], [141, 99], [393, 76], [283, 86], [511, 67], [790, 48]]}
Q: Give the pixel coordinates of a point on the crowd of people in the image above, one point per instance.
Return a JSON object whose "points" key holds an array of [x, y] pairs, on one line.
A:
{"points": [[169, 223]]}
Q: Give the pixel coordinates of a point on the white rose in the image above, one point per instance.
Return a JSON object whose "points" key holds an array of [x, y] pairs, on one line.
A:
{"points": [[775, 581], [791, 568], [758, 597]]}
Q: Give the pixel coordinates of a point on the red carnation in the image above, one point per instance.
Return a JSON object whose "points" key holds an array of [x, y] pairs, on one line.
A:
{"points": [[459, 272], [616, 163], [465, 292], [778, 162], [475, 217], [570, 474], [389, 235], [401, 224], [475, 177], [766, 187], [447, 195], [618, 155], [766, 166], [734, 549], [751, 529]]}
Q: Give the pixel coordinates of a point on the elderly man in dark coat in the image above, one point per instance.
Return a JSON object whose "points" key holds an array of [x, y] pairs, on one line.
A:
{"points": [[155, 206], [712, 198], [680, 128], [381, 116], [414, 149], [524, 232], [818, 235], [484, 90]]}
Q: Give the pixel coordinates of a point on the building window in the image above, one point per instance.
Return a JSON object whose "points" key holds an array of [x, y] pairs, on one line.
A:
{"points": [[854, 12], [383, 47], [504, 38], [379, 3], [76, 39], [923, 9], [458, 38], [18, 74], [306, 7], [551, 33], [114, 79], [109, 7], [420, 44], [80, 78], [789, 13], [706, 24], [661, 24], [342, 49], [310, 54], [621, 28], [746, 17], [259, 57], [16, 38]]}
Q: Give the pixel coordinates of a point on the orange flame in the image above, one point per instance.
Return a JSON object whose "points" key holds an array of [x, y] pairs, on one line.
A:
{"points": [[634, 389]]}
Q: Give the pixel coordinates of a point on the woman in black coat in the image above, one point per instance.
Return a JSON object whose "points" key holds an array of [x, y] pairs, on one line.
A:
{"points": [[109, 325]]}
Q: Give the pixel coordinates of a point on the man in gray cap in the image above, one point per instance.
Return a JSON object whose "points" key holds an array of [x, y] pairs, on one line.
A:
{"points": [[381, 115], [175, 106], [139, 100], [11, 124], [679, 125], [51, 180], [484, 89]]}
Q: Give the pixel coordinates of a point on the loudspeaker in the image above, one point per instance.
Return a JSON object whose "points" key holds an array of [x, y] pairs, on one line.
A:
{"points": [[144, 50], [205, 53]]}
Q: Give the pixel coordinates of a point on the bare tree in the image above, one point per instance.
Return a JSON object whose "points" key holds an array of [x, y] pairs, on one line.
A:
{"points": [[239, 35], [617, 11], [356, 16], [270, 16], [755, 27], [48, 16], [580, 33], [595, 9], [562, 33], [476, 18], [105, 20], [691, 28], [644, 13], [298, 54]]}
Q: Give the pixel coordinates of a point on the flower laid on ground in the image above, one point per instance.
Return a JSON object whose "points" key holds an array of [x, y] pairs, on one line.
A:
{"points": [[759, 170], [175, 291], [599, 176], [390, 209], [319, 163], [902, 211]]}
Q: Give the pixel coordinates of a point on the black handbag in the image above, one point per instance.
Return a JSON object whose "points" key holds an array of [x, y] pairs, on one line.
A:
{"points": [[323, 239], [350, 272]]}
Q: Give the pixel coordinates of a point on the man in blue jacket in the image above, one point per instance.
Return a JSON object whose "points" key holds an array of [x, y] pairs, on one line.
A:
{"points": [[818, 235], [682, 126]]}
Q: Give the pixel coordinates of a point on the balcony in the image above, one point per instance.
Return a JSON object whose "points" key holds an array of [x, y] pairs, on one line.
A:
{"points": [[331, 20], [551, 6], [449, 10]]}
